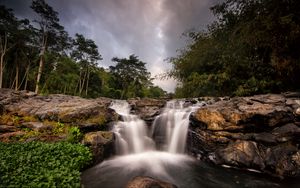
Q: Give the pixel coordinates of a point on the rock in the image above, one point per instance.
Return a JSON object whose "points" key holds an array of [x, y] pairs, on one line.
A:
{"points": [[7, 136], [297, 112], [37, 126], [7, 128], [261, 132], [57, 107], [280, 159], [148, 182], [147, 108], [266, 138], [240, 154], [2, 109], [101, 144]]}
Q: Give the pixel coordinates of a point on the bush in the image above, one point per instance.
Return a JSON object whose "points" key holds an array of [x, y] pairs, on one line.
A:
{"points": [[37, 164], [74, 135]]}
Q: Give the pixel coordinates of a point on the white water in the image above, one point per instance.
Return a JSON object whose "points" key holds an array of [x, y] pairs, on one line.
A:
{"points": [[170, 128], [131, 133]]}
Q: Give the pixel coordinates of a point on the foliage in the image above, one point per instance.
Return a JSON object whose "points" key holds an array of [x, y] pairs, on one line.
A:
{"points": [[37, 164], [131, 76], [39, 55], [251, 48], [74, 135]]}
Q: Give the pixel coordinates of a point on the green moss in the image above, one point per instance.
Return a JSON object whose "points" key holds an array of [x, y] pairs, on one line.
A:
{"points": [[5, 118], [29, 119], [100, 120]]}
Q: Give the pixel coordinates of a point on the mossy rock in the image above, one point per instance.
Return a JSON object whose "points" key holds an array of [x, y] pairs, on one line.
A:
{"points": [[99, 137]]}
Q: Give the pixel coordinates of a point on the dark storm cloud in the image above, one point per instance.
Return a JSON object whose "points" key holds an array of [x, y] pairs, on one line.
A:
{"points": [[150, 29]]}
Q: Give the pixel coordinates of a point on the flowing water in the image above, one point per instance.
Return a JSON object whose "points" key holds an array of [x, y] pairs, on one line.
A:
{"points": [[159, 153]]}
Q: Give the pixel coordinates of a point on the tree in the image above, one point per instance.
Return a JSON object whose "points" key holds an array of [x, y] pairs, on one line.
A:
{"points": [[251, 48], [49, 31], [131, 75], [85, 52], [8, 25]]}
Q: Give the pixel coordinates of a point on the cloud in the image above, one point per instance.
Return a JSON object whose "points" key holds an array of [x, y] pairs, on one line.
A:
{"points": [[150, 29]]}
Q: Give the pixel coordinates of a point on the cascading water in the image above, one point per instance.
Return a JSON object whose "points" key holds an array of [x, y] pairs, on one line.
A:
{"points": [[171, 127], [131, 133], [160, 154]]}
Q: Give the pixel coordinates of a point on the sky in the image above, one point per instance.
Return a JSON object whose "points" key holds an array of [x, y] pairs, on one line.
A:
{"points": [[150, 29]]}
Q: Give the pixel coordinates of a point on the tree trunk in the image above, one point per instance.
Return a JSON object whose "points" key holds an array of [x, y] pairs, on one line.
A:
{"points": [[41, 64], [17, 77], [3, 49], [1, 69], [82, 83], [25, 77], [87, 82]]}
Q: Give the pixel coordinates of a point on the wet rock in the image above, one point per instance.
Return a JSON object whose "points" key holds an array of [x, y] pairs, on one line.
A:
{"points": [[147, 108], [267, 138], [261, 132], [240, 154], [148, 182], [283, 159], [101, 144]]}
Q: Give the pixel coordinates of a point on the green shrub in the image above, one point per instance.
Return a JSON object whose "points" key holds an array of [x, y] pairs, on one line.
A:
{"points": [[37, 164], [74, 135]]}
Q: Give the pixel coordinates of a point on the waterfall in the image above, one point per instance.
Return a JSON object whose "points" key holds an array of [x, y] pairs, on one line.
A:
{"points": [[168, 133], [131, 133], [169, 129]]}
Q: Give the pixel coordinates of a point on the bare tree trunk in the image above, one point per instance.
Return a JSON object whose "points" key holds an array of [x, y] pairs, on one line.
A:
{"points": [[25, 77], [41, 64], [3, 49], [83, 82], [87, 82], [1, 69], [17, 77]]}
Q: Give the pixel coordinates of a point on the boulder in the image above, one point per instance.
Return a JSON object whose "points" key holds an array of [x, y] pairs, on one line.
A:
{"points": [[147, 108], [259, 132], [148, 182], [240, 153], [101, 144], [57, 107]]}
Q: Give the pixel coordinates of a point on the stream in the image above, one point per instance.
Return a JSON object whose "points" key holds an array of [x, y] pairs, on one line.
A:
{"points": [[159, 152]]}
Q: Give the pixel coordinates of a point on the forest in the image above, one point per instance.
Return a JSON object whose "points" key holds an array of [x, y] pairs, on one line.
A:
{"points": [[251, 48], [40, 56]]}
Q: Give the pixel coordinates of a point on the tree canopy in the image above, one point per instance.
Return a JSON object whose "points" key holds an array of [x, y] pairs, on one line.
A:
{"points": [[252, 47], [40, 56]]}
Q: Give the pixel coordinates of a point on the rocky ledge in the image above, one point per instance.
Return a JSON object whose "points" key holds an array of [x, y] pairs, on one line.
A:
{"points": [[25, 116], [260, 132]]}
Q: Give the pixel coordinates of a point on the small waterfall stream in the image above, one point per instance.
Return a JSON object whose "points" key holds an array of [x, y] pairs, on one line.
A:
{"points": [[131, 133], [170, 128], [159, 153]]}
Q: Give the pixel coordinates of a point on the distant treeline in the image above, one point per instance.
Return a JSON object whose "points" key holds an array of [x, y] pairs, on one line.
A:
{"points": [[40, 56], [252, 47]]}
